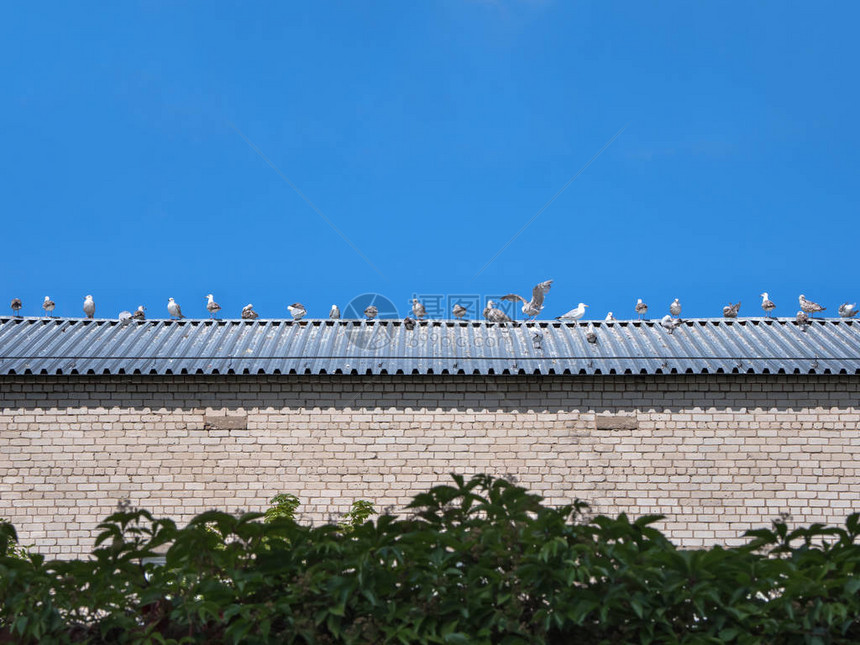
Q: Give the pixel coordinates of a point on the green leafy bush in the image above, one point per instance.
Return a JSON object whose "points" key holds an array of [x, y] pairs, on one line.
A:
{"points": [[480, 561]]}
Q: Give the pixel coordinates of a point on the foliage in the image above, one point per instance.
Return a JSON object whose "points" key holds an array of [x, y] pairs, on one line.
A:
{"points": [[480, 561], [283, 507]]}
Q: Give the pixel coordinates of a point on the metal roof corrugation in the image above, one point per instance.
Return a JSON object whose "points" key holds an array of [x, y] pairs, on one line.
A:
{"points": [[79, 346]]}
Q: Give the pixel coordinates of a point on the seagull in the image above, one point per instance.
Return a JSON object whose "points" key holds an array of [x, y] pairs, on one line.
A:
{"points": [[767, 304], [212, 307], [532, 307], [89, 307], [409, 323], [48, 305], [670, 324], [139, 314], [418, 309], [495, 315], [609, 317], [845, 310], [574, 314], [125, 318], [731, 311], [809, 307], [334, 313], [173, 309], [248, 312], [16, 306], [459, 311], [675, 308], [641, 308], [802, 319], [297, 310], [371, 312], [590, 334]]}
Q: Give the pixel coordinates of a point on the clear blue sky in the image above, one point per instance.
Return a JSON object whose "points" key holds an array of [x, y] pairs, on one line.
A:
{"points": [[429, 134]]}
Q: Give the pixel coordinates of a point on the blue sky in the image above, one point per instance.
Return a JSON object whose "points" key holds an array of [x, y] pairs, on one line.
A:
{"points": [[429, 134]]}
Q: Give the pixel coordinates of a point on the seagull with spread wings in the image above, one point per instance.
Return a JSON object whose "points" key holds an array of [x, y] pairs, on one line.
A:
{"points": [[532, 308]]}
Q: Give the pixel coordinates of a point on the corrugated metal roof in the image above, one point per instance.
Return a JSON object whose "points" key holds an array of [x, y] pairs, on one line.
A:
{"points": [[751, 345]]}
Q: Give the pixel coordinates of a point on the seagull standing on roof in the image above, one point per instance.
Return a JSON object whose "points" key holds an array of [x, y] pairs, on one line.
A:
{"points": [[675, 308], [125, 318], [89, 307], [802, 319], [140, 313], [590, 334], [297, 310], [48, 305], [371, 312], [609, 317], [408, 323], [174, 309], [16, 306], [641, 308], [495, 315], [532, 307], [334, 313], [418, 309], [731, 311], [767, 304], [848, 311], [574, 314], [809, 307], [212, 307], [248, 312], [459, 311], [670, 324]]}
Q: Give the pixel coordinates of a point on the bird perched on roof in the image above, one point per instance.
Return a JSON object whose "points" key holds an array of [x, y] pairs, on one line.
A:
{"points": [[459, 311], [174, 309], [125, 318], [16, 306], [371, 312], [641, 308], [574, 314], [848, 311], [767, 304], [802, 319], [731, 311], [670, 324], [297, 310], [590, 334], [212, 307], [418, 309], [409, 323], [90, 307], [48, 305], [334, 313], [609, 317], [809, 307], [532, 308], [248, 312], [139, 314], [495, 315], [675, 308]]}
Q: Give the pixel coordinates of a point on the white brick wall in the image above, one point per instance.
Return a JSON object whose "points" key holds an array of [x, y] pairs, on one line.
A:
{"points": [[716, 454]]}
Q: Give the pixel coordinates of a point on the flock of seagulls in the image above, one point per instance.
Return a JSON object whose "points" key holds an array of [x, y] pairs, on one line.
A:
{"points": [[530, 308]]}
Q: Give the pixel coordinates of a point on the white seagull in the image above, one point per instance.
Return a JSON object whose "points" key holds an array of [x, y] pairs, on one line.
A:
{"points": [[495, 315], [140, 313], [418, 309], [675, 308], [809, 307], [297, 310], [767, 304], [459, 311], [125, 318], [609, 317], [670, 324], [641, 308], [334, 313], [174, 309], [574, 314], [89, 307], [248, 312], [48, 305], [212, 307], [532, 308], [16, 306], [848, 311]]}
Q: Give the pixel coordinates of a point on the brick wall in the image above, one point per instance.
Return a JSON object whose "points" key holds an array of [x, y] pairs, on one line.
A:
{"points": [[715, 454]]}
